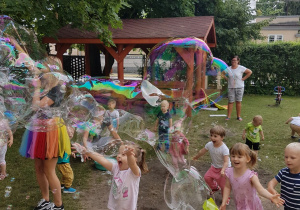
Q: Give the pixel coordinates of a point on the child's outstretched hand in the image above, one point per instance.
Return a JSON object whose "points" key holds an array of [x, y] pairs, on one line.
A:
{"points": [[79, 148], [10, 142], [243, 136], [277, 200], [128, 151]]}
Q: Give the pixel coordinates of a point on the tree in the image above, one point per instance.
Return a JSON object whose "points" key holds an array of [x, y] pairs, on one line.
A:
{"points": [[45, 17], [233, 25], [158, 8], [276, 8], [270, 7]]}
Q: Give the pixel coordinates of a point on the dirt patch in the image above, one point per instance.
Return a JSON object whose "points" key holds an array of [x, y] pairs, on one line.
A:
{"points": [[151, 193]]}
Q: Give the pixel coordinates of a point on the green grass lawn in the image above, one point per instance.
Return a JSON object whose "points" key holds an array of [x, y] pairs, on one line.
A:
{"points": [[25, 192]]}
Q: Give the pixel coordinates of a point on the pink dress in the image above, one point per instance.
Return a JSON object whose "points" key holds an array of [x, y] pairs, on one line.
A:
{"points": [[245, 195]]}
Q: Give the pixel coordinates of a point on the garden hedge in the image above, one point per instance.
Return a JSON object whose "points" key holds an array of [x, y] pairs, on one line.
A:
{"points": [[272, 65]]}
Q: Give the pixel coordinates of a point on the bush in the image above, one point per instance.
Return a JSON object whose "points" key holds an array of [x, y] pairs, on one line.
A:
{"points": [[272, 65]]}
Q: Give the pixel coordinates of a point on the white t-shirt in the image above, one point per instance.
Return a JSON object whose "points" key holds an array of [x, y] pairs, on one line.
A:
{"points": [[112, 116], [217, 154], [296, 121], [235, 77], [124, 189]]}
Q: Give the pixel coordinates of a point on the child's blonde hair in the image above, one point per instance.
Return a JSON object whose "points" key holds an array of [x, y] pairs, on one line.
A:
{"points": [[257, 117], [140, 155], [112, 101], [293, 145], [243, 150], [165, 102], [219, 130]]}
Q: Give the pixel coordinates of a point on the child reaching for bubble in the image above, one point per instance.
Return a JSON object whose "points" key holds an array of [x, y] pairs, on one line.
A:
{"points": [[126, 174], [6, 138], [163, 123], [244, 182], [219, 153], [179, 147]]}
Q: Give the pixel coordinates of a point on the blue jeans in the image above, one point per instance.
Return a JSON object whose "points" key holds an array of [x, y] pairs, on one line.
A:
{"points": [[163, 139]]}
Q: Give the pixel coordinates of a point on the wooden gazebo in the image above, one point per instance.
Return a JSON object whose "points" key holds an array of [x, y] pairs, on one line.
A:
{"points": [[136, 33]]}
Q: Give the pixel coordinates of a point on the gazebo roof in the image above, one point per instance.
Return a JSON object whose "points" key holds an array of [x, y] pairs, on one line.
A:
{"points": [[145, 31]]}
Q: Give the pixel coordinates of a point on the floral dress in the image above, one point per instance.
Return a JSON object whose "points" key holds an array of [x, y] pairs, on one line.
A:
{"points": [[245, 195]]}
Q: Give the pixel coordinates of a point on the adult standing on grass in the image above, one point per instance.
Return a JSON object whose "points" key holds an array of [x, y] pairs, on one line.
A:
{"points": [[236, 85], [46, 146]]}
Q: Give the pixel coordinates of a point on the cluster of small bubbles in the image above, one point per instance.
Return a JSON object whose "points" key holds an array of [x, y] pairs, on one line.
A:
{"points": [[12, 179], [27, 197], [54, 191], [76, 195], [7, 191], [9, 207]]}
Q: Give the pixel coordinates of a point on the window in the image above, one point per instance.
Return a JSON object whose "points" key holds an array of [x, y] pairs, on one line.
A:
{"points": [[276, 37]]}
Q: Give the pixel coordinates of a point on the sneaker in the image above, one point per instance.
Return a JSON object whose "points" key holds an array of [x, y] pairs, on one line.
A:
{"points": [[228, 201], [62, 186], [293, 137], [58, 208], [44, 205], [69, 190], [239, 119]]}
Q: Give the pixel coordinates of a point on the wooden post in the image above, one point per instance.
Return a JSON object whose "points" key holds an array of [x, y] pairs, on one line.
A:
{"points": [[61, 49], [188, 56], [87, 59]]}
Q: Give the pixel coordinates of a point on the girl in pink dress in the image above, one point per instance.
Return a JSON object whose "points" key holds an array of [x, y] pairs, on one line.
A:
{"points": [[244, 182]]}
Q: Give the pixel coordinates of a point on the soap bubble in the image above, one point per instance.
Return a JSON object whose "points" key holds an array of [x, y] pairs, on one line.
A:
{"points": [[187, 190]]}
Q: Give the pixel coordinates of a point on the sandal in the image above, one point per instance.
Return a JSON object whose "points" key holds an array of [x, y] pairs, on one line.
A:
{"points": [[239, 118], [227, 118]]}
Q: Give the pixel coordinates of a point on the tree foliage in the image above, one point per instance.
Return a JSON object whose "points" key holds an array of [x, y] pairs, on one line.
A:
{"points": [[45, 17], [276, 8], [233, 25], [158, 8]]}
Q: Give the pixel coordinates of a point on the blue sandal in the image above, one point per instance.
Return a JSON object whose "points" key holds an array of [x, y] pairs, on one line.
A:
{"points": [[227, 118]]}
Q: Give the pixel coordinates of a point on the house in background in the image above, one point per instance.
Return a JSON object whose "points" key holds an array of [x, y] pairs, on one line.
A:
{"points": [[281, 28]]}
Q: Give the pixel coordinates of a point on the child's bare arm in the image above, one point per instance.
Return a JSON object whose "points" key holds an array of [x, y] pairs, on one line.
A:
{"points": [[170, 122], [289, 120], [226, 194], [132, 160], [262, 135], [94, 155], [118, 122], [11, 138], [271, 186], [244, 134], [225, 164], [275, 198], [200, 153], [85, 138]]}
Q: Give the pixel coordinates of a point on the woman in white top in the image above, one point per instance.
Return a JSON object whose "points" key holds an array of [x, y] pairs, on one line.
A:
{"points": [[237, 74]]}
